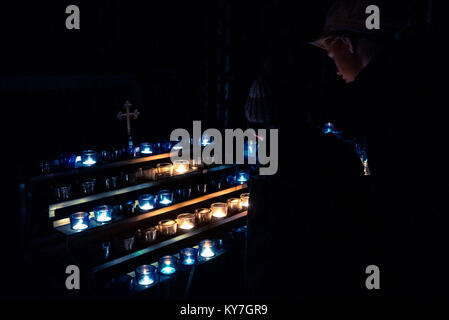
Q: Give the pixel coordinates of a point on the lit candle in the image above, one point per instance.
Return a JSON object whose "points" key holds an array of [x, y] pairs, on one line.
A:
{"points": [[206, 248], [146, 148], [146, 202], [181, 166], [242, 177], [103, 213], [79, 221], [219, 209], [234, 205], [203, 215], [145, 275], [186, 221], [188, 256], [165, 197], [89, 158], [167, 227], [244, 197], [167, 265]]}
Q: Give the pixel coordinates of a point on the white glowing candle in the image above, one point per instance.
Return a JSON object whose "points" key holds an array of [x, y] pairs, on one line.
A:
{"points": [[219, 209]]}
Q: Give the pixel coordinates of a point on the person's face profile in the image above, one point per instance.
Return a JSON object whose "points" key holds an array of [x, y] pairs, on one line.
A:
{"points": [[348, 63]]}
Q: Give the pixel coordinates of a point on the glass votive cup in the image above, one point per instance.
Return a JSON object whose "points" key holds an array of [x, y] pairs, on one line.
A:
{"points": [[219, 209], [146, 275], [183, 193], [203, 215], [150, 234], [63, 192], [164, 198], [88, 186], [181, 166], [186, 221], [231, 180], [201, 188], [110, 182], [67, 161], [234, 205], [167, 227], [196, 163], [244, 197], [146, 148], [188, 256], [129, 207], [89, 158], [206, 249], [103, 214], [167, 265], [146, 202], [79, 221], [164, 169], [242, 177]]}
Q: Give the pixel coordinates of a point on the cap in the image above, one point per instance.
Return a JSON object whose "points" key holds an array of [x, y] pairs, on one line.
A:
{"points": [[350, 16]]}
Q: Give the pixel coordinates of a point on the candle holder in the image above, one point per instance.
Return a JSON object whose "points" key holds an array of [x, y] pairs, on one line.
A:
{"points": [[183, 193], [67, 161], [201, 188], [110, 182], [167, 265], [63, 192], [244, 197], [234, 205], [186, 221], [167, 227], [79, 221], [124, 242], [146, 148], [88, 186], [206, 249], [150, 234], [219, 209], [164, 170], [196, 163], [203, 215], [146, 202], [242, 177], [231, 180], [181, 166], [103, 214], [164, 198], [146, 275], [89, 158], [129, 207], [188, 256]]}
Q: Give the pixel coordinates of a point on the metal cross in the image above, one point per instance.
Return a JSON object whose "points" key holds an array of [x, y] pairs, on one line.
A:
{"points": [[127, 115]]}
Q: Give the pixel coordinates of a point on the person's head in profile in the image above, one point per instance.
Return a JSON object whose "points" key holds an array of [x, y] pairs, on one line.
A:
{"points": [[347, 39]]}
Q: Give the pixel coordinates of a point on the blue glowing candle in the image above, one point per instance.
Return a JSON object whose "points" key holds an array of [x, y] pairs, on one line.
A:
{"points": [[242, 177], [188, 256], [147, 202], [145, 275], [167, 265], [165, 197], [88, 158], [79, 221], [103, 214], [146, 148], [328, 128]]}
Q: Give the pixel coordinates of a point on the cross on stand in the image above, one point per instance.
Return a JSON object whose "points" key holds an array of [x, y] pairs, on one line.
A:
{"points": [[128, 115]]}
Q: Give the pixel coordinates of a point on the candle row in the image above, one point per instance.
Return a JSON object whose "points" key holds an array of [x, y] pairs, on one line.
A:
{"points": [[103, 214], [187, 221], [147, 274]]}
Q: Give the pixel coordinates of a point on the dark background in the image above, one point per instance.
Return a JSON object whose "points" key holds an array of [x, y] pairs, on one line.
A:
{"points": [[176, 61]]}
